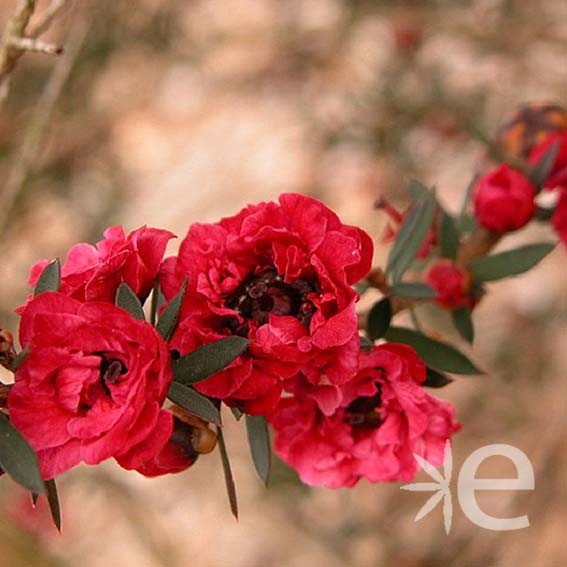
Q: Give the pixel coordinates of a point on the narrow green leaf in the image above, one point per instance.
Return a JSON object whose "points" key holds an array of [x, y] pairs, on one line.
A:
{"points": [[361, 287], [20, 358], [448, 237], [437, 354], [260, 447], [404, 233], [53, 501], [18, 459], [365, 344], [411, 235], [436, 379], [170, 316], [379, 319], [509, 263], [128, 300], [462, 319], [194, 402], [228, 477], [414, 290], [467, 224], [236, 413], [208, 360], [466, 221], [416, 189], [541, 170], [50, 279]]}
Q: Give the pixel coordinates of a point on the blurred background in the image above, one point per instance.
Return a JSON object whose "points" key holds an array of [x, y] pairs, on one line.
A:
{"points": [[167, 112]]}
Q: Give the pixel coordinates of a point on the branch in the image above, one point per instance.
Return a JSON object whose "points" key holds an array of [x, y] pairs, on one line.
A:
{"points": [[15, 42], [33, 137]]}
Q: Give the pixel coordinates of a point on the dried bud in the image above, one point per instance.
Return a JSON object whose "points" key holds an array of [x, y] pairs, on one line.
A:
{"points": [[203, 439], [528, 126], [6, 341]]}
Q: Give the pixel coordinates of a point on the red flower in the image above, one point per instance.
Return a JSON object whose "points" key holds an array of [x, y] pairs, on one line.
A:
{"points": [[504, 200], [451, 282], [280, 274], [558, 174], [93, 273], [559, 218], [92, 386], [385, 417]]}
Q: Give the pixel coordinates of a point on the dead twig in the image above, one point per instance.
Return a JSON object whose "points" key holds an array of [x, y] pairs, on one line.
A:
{"points": [[15, 41], [33, 138]]}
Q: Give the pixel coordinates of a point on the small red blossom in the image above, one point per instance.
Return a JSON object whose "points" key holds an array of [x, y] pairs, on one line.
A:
{"points": [[92, 386], [504, 200], [280, 274], [451, 282], [93, 273], [558, 175], [384, 418], [396, 221]]}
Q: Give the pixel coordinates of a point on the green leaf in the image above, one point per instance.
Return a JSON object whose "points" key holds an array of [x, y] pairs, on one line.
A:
{"points": [[448, 237], [170, 316], [436, 379], [414, 290], [128, 300], [366, 345], [541, 170], [208, 360], [50, 279], [379, 319], [53, 501], [437, 354], [194, 402], [411, 235], [228, 477], [361, 287], [18, 459], [509, 263], [21, 357], [467, 222], [462, 320], [236, 413], [416, 189], [260, 448]]}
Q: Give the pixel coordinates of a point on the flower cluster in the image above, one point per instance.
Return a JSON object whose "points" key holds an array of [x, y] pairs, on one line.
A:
{"points": [[258, 312], [279, 276]]}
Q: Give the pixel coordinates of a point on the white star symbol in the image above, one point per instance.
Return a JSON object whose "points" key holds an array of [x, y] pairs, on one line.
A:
{"points": [[440, 487]]}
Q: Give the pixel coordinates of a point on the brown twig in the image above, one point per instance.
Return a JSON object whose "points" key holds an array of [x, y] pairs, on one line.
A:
{"points": [[15, 42], [34, 135]]}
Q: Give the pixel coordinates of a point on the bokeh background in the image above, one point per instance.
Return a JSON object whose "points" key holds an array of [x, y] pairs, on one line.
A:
{"points": [[167, 112]]}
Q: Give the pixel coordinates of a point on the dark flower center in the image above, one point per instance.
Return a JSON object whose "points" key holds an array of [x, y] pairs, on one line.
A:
{"points": [[261, 294], [362, 412], [110, 371]]}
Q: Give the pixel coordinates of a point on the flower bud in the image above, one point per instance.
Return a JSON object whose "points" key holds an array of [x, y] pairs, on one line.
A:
{"points": [[452, 284], [504, 200]]}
